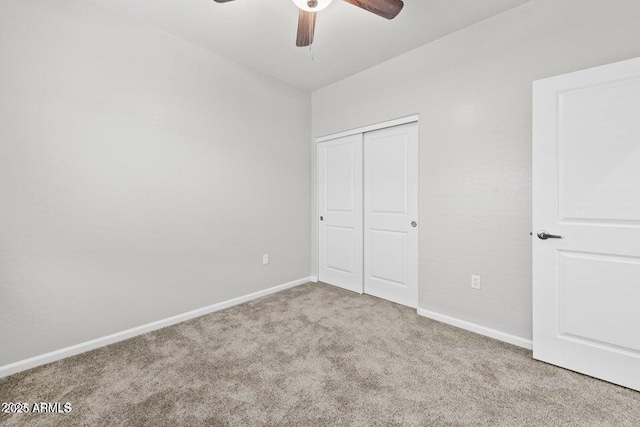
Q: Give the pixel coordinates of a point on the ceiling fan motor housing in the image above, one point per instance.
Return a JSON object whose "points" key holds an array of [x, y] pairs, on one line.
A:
{"points": [[312, 5]]}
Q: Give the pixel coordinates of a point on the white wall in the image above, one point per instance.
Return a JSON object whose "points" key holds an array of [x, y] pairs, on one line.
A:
{"points": [[472, 90], [140, 177]]}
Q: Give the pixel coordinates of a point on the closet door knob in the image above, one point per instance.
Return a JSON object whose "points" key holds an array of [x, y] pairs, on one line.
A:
{"points": [[321, 218], [414, 224]]}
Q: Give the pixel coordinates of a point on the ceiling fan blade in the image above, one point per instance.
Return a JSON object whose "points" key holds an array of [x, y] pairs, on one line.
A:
{"points": [[388, 9], [306, 28], [221, 1]]}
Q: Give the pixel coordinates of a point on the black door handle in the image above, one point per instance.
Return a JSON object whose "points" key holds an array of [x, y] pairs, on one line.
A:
{"points": [[321, 218], [544, 235]]}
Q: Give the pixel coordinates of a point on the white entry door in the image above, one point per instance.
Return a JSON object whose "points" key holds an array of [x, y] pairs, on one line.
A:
{"points": [[340, 208], [391, 214], [586, 219]]}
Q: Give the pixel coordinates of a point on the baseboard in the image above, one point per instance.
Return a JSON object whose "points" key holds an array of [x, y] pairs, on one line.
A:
{"points": [[478, 329], [33, 362]]}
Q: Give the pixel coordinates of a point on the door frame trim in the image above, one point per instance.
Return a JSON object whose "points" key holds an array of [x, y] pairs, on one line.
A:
{"points": [[414, 118], [369, 128]]}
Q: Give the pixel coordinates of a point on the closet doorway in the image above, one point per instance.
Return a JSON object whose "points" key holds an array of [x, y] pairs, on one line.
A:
{"points": [[368, 210]]}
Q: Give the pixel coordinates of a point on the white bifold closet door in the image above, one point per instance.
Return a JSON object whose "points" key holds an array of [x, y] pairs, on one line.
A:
{"points": [[368, 208], [391, 214], [340, 205]]}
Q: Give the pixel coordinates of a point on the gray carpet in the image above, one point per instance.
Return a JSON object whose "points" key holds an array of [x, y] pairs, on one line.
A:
{"points": [[316, 355]]}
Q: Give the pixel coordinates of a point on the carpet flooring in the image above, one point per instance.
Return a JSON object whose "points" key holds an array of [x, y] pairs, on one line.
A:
{"points": [[315, 355]]}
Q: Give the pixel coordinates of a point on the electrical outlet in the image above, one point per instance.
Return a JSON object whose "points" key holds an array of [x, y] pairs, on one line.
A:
{"points": [[265, 259], [475, 281]]}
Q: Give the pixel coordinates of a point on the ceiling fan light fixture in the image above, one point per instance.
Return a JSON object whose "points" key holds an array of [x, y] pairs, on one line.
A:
{"points": [[387, 9], [312, 5]]}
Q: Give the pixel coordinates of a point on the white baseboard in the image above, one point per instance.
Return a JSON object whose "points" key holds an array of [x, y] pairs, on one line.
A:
{"points": [[32, 362], [478, 329]]}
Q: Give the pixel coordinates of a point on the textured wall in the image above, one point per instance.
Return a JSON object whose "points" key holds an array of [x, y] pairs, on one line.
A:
{"points": [[140, 177], [472, 90]]}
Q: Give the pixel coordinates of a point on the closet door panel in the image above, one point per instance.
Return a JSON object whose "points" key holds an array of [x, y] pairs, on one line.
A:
{"points": [[340, 186], [391, 214]]}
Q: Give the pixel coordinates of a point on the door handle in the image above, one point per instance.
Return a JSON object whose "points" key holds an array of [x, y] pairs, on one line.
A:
{"points": [[321, 218], [544, 235]]}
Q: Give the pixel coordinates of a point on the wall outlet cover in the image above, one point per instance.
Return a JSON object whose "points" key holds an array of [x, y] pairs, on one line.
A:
{"points": [[475, 281], [265, 259]]}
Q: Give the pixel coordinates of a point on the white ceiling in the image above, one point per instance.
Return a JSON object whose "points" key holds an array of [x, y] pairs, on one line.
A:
{"points": [[261, 33]]}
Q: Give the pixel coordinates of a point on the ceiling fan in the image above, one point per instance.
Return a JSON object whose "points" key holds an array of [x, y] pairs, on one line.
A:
{"points": [[388, 9]]}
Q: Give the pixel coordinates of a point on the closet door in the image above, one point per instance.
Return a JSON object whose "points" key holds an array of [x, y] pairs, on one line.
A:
{"points": [[391, 214], [340, 209]]}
